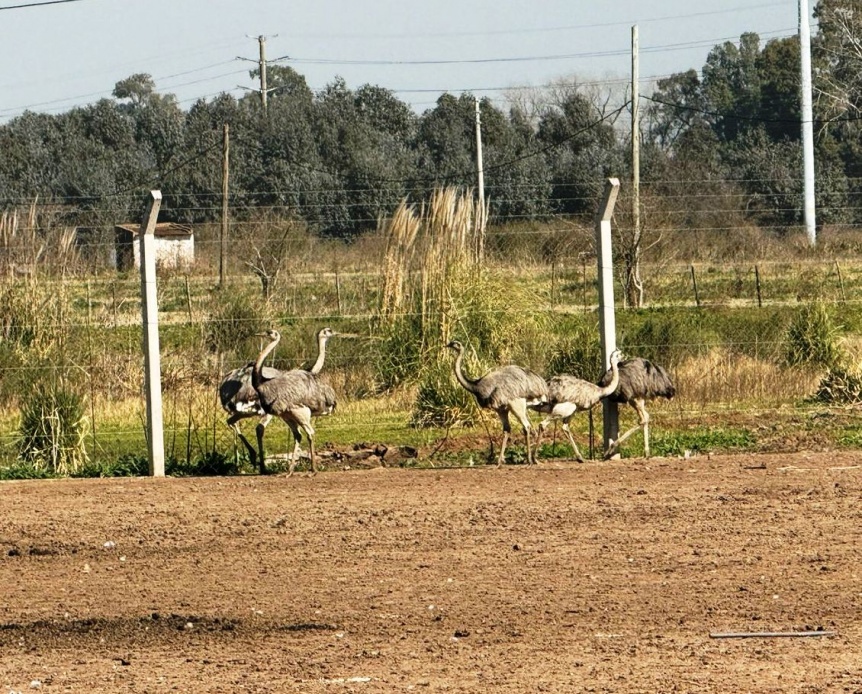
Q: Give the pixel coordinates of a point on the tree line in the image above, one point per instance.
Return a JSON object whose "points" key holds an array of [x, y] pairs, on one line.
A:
{"points": [[340, 158]]}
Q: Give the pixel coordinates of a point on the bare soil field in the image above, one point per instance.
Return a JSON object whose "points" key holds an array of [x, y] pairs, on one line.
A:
{"points": [[602, 577]]}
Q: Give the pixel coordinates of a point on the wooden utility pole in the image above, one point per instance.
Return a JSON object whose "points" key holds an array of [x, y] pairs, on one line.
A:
{"points": [[225, 169]]}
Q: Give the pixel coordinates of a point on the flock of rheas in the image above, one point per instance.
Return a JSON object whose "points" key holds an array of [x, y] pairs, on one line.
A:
{"points": [[297, 395]]}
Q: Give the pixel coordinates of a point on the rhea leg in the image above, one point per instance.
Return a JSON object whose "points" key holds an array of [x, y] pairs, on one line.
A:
{"points": [[568, 431], [643, 423], [293, 458], [644, 419], [519, 409], [507, 428], [303, 420], [564, 411], [233, 422], [259, 430]]}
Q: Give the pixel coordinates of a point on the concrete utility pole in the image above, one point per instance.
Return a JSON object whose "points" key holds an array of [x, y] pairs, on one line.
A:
{"points": [[261, 68], [807, 122], [479, 164], [607, 317], [150, 316], [480, 182]]}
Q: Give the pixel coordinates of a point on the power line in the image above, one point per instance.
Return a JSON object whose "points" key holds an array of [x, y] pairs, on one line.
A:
{"points": [[331, 61], [540, 30], [750, 119], [37, 4]]}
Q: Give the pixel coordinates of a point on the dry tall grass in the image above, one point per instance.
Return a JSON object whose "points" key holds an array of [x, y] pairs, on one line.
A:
{"points": [[435, 243], [723, 378]]}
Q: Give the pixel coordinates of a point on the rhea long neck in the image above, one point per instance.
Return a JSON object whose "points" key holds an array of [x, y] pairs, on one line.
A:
{"points": [[321, 355], [256, 379], [615, 379], [459, 374]]}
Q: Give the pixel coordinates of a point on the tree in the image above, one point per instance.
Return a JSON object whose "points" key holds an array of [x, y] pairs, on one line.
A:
{"points": [[581, 150], [158, 121], [445, 142], [517, 183], [837, 60], [195, 187], [362, 140], [676, 107], [780, 107], [838, 57], [731, 86]]}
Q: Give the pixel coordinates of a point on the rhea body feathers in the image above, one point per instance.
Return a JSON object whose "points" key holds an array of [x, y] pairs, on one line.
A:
{"points": [[504, 389], [239, 399], [640, 380], [568, 394], [297, 395]]}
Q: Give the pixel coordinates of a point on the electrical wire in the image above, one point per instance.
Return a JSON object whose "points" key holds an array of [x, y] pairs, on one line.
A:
{"points": [[37, 4]]}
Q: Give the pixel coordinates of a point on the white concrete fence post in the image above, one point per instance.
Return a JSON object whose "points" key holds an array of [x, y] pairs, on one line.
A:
{"points": [[150, 316], [607, 317]]}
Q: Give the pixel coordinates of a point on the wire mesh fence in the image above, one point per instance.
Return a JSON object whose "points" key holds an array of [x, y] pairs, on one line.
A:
{"points": [[69, 319]]}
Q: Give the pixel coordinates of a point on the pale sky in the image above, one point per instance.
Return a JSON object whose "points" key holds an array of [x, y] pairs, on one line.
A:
{"points": [[56, 56]]}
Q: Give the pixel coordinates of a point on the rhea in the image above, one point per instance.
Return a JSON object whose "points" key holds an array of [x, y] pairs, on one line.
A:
{"points": [[239, 399], [295, 396], [639, 380], [568, 394], [504, 389]]}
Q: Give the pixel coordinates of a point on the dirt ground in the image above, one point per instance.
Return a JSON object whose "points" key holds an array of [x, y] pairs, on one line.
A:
{"points": [[602, 577]]}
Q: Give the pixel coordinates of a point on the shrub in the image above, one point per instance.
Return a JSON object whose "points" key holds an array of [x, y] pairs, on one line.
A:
{"points": [[235, 315], [441, 401], [667, 337], [840, 386], [398, 359], [578, 353], [812, 339], [52, 430], [209, 464]]}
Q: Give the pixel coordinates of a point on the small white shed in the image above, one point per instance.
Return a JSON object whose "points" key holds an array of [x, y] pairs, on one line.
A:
{"points": [[175, 246]]}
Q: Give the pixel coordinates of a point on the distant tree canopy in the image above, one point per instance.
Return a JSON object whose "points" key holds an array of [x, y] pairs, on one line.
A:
{"points": [[342, 157]]}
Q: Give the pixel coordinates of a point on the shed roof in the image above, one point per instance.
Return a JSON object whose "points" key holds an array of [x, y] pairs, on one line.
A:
{"points": [[163, 229]]}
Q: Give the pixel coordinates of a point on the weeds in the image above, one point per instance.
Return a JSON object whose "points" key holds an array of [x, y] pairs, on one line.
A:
{"points": [[702, 440], [424, 279], [52, 431], [812, 339]]}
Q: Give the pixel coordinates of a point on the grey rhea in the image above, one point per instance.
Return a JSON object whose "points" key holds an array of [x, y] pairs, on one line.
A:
{"points": [[239, 399], [504, 389], [568, 394], [640, 380], [295, 396]]}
